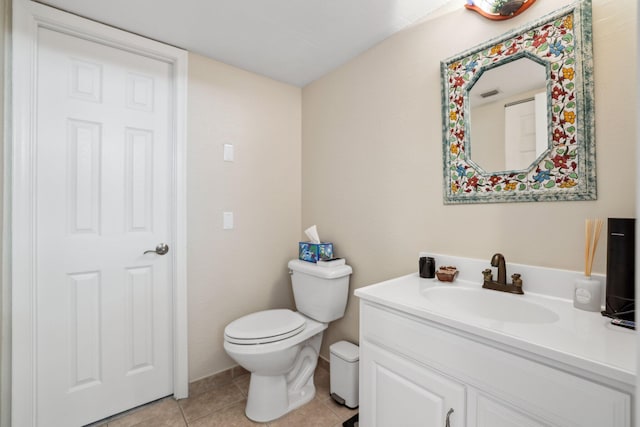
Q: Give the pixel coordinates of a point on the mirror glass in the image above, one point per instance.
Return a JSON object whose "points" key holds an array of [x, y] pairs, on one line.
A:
{"points": [[537, 142], [509, 116]]}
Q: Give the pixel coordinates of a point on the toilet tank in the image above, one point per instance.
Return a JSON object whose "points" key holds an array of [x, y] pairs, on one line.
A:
{"points": [[320, 292]]}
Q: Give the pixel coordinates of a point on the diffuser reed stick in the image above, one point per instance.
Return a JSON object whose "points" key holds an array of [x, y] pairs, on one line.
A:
{"points": [[592, 236]]}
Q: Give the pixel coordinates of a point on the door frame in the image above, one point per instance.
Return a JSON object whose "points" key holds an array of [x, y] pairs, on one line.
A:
{"points": [[28, 18]]}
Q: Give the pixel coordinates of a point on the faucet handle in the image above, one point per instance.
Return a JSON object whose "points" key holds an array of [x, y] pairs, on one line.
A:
{"points": [[487, 274], [517, 281]]}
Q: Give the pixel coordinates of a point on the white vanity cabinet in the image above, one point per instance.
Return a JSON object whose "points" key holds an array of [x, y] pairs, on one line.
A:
{"points": [[401, 392], [413, 371]]}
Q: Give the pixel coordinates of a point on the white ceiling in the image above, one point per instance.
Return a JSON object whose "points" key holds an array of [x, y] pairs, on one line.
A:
{"points": [[293, 41]]}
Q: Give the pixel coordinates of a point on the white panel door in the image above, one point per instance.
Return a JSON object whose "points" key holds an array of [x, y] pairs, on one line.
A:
{"points": [[520, 135], [103, 180]]}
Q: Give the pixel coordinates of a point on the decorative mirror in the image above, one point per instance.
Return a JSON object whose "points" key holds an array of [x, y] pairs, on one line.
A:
{"points": [[518, 114]]}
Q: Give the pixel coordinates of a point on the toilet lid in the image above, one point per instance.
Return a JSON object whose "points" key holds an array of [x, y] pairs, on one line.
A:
{"points": [[264, 327]]}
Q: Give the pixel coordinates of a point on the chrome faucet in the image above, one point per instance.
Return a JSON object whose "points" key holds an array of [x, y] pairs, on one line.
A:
{"points": [[501, 284]]}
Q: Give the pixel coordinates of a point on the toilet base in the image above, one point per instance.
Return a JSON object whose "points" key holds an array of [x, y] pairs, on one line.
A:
{"points": [[276, 403], [272, 396]]}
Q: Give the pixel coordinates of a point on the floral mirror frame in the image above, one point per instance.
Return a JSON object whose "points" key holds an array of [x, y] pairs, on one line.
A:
{"points": [[562, 42]]}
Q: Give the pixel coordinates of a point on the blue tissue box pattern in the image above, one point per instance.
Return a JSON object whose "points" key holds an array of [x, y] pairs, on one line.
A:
{"points": [[312, 252]]}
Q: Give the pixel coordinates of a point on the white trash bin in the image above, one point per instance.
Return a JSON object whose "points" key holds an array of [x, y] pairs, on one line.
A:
{"points": [[344, 362]]}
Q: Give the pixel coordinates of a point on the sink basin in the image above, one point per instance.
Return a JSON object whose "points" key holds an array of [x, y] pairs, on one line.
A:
{"points": [[488, 304]]}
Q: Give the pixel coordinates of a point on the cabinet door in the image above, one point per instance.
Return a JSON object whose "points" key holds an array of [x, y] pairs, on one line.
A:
{"points": [[487, 412], [396, 391]]}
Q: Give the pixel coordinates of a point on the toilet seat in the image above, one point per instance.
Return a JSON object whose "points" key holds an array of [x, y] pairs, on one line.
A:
{"points": [[264, 327]]}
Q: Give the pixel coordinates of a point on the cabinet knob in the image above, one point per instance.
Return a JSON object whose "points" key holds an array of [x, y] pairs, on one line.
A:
{"points": [[448, 420]]}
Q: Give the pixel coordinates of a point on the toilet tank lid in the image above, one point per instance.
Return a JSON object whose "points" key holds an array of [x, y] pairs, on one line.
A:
{"points": [[312, 269]]}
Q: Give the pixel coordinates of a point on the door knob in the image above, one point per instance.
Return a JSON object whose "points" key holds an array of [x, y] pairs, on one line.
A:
{"points": [[161, 249]]}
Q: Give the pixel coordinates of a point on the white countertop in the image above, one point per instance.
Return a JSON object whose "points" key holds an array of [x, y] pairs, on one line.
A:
{"points": [[580, 339]]}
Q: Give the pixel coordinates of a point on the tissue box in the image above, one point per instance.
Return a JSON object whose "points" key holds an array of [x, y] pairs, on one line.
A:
{"points": [[312, 252]]}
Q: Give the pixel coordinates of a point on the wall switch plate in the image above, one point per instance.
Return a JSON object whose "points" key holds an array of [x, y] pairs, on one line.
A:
{"points": [[227, 220], [228, 152]]}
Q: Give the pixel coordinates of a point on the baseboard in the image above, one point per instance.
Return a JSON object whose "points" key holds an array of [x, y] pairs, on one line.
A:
{"points": [[230, 373], [237, 371], [323, 363]]}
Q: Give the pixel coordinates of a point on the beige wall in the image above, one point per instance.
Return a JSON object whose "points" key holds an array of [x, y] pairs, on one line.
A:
{"points": [[239, 271], [372, 156], [5, 313]]}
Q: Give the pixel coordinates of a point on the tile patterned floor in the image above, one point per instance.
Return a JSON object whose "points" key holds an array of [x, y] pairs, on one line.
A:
{"points": [[219, 400]]}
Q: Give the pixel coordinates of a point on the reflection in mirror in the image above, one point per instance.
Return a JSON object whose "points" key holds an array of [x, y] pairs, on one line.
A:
{"points": [[508, 119]]}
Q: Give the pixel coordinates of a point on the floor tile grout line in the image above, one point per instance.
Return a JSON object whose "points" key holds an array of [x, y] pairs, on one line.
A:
{"points": [[232, 382], [241, 390], [184, 417], [212, 412]]}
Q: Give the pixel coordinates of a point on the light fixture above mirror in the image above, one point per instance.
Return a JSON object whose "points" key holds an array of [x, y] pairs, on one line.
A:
{"points": [[563, 166], [499, 10]]}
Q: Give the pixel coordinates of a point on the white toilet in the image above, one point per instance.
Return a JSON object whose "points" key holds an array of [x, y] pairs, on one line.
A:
{"points": [[280, 347]]}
